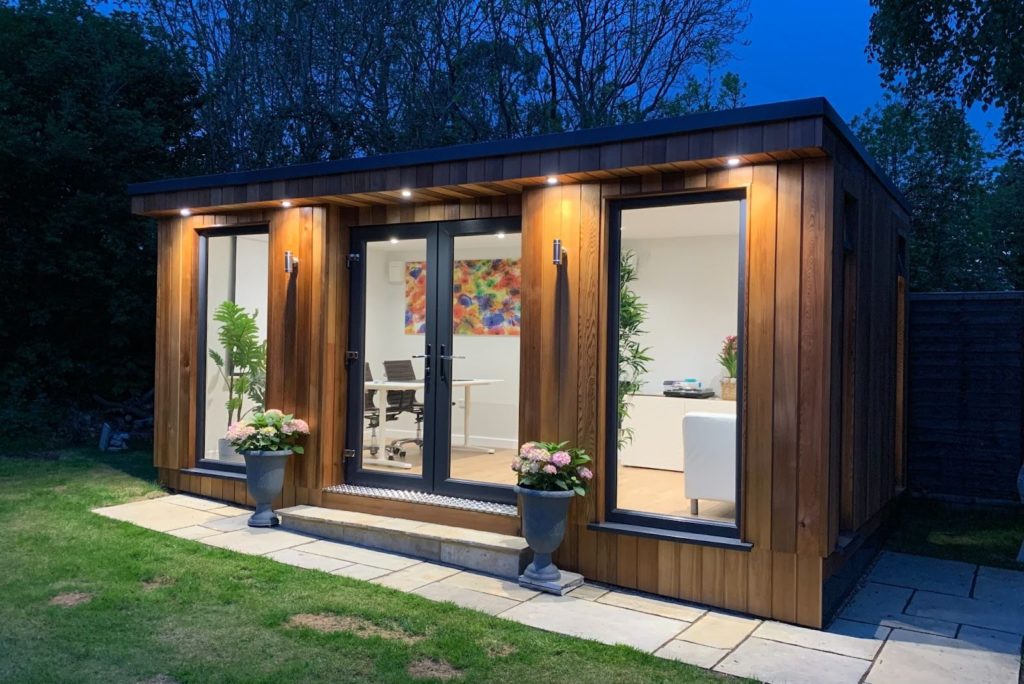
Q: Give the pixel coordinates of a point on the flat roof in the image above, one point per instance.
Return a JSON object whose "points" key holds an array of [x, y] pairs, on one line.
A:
{"points": [[757, 114]]}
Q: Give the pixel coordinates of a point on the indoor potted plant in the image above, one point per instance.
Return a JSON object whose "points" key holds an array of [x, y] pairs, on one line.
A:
{"points": [[242, 365], [549, 475], [266, 440], [728, 358]]}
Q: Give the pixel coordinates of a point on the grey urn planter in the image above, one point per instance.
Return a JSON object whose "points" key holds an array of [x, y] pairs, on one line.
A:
{"points": [[544, 520], [264, 475]]}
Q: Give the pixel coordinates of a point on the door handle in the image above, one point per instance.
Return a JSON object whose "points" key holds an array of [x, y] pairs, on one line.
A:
{"points": [[446, 357], [426, 364]]}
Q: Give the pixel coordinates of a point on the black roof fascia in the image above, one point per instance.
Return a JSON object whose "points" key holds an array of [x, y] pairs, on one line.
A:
{"points": [[793, 109]]}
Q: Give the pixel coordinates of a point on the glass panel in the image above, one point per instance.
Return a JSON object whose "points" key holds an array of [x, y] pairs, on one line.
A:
{"points": [[396, 319], [485, 341], [679, 294], [236, 336]]}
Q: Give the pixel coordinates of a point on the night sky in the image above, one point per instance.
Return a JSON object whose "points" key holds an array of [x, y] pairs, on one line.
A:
{"points": [[809, 48]]}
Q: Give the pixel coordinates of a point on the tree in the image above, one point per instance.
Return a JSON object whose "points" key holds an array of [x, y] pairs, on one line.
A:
{"points": [[1003, 212], [87, 104], [287, 82], [965, 51], [936, 158]]}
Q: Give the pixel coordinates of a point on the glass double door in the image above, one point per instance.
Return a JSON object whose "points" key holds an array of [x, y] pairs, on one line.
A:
{"points": [[433, 358]]}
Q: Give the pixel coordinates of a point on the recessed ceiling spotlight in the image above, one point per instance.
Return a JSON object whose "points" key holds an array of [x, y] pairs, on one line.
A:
{"points": [[394, 241], [552, 180], [185, 212], [733, 161], [501, 235], [406, 192], [286, 204]]}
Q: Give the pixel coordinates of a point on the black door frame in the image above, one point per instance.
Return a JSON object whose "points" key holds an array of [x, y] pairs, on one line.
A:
{"points": [[437, 344]]}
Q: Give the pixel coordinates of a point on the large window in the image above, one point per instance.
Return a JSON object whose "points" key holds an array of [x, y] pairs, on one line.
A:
{"points": [[676, 269], [233, 272]]}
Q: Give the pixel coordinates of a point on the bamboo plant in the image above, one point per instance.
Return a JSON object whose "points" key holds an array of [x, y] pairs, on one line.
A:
{"points": [[633, 357]]}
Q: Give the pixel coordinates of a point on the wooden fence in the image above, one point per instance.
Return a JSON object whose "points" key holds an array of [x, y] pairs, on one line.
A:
{"points": [[966, 392]]}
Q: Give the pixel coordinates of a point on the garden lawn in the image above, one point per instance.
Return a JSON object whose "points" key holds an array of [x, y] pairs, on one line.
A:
{"points": [[983, 535], [163, 609]]}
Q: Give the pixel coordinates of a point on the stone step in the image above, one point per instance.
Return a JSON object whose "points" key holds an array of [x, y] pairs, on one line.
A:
{"points": [[488, 552]]}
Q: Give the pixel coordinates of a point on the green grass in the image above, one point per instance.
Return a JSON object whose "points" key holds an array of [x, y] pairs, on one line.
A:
{"points": [[219, 617], [987, 536]]}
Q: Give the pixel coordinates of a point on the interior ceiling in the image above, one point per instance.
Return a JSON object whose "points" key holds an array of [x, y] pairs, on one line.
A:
{"points": [[682, 221]]}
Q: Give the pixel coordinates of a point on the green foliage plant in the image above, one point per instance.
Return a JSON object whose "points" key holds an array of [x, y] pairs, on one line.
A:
{"points": [[242, 365], [633, 357]]}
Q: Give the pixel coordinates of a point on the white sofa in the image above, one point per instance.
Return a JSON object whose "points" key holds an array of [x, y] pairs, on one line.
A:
{"points": [[709, 457]]}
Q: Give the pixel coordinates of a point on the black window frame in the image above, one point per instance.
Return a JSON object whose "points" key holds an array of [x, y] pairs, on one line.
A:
{"points": [[641, 519], [201, 333]]}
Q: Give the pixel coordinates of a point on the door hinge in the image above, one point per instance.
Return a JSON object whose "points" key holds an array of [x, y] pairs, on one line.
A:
{"points": [[352, 258], [351, 356], [349, 453]]}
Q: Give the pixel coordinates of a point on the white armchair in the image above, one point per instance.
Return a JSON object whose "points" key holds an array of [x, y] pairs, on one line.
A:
{"points": [[709, 457]]}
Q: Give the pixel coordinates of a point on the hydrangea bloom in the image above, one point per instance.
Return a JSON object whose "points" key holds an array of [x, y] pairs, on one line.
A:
{"points": [[561, 458], [274, 413], [585, 473], [550, 469]]}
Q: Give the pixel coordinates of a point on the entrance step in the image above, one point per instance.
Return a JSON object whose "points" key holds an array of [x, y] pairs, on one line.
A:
{"points": [[488, 552]]}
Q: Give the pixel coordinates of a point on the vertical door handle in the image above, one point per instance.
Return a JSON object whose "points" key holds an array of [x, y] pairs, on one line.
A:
{"points": [[426, 364]]}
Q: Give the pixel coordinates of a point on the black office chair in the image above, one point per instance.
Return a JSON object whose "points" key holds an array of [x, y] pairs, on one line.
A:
{"points": [[372, 414], [404, 401]]}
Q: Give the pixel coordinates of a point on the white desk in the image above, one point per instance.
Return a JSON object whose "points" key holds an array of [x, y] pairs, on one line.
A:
{"points": [[384, 386]]}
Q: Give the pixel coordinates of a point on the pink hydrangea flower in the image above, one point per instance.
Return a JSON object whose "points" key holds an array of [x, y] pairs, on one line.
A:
{"points": [[515, 466], [525, 449], [585, 473], [239, 431], [561, 458], [550, 469], [295, 425], [274, 413]]}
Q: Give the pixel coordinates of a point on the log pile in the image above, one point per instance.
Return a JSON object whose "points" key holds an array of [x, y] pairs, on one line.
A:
{"points": [[124, 422]]}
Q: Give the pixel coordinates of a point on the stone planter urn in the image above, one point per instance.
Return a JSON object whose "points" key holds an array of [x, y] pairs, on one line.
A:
{"points": [[544, 519], [264, 473], [729, 389]]}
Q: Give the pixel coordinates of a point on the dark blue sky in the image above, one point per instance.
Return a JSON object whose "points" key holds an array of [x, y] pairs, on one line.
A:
{"points": [[810, 48]]}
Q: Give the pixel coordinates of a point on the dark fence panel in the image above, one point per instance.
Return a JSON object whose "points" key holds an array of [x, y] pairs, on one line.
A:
{"points": [[966, 392]]}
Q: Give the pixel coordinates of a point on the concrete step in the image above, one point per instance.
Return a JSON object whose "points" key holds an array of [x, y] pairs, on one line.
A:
{"points": [[495, 554]]}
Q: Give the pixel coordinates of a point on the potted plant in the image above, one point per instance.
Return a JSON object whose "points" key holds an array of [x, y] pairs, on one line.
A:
{"points": [[549, 475], [633, 357], [242, 365], [266, 440], [728, 358]]}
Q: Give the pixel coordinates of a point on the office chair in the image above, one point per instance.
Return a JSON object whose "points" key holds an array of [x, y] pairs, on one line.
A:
{"points": [[372, 414], [404, 401]]}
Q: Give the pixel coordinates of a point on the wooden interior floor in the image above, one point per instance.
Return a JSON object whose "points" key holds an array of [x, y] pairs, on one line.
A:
{"points": [[640, 489]]}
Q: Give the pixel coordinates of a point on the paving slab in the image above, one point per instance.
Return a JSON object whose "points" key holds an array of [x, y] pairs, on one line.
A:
{"points": [[919, 572], [256, 540], [489, 585], [360, 572], [598, 621], [467, 598], [415, 576], [666, 608], [193, 532], [720, 630], [778, 663], [918, 658], [991, 640], [883, 604], [310, 561], [231, 511], [694, 654], [1000, 585], [588, 592], [357, 554], [854, 639], [157, 514], [229, 524], [195, 502], [967, 611]]}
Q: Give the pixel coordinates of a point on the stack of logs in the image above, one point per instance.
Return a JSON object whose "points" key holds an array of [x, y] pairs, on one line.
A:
{"points": [[123, 422]]}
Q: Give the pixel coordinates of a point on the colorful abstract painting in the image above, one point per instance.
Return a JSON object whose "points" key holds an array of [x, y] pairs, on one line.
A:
{"points": [[486, 297]]}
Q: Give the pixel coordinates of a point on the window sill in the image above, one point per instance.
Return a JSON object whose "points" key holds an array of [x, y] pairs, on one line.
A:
{"points": [[672, 535], [210, 472]]}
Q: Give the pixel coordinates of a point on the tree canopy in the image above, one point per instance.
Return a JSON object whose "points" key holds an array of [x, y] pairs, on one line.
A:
{"points": [[87, 104], [964, 51]]}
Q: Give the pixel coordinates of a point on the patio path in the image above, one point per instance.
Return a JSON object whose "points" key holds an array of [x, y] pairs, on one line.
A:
{"points": [[914, 619]]}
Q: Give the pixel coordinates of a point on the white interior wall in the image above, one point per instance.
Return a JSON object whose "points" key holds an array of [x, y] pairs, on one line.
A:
{"points": [[495, 407], [251, 274]]}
